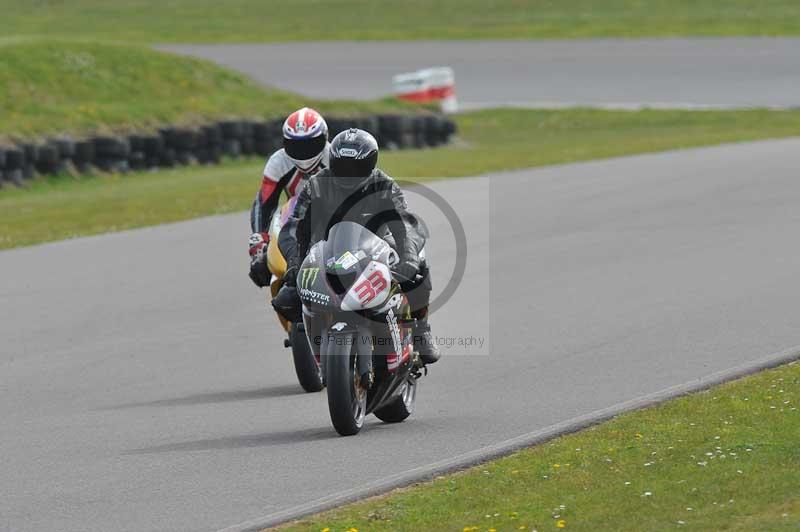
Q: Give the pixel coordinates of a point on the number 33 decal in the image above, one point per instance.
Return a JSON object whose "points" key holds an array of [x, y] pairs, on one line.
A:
{"points": [[373, 285]]}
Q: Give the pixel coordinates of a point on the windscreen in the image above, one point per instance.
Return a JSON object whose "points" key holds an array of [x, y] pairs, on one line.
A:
{"points": [[351, 237]]}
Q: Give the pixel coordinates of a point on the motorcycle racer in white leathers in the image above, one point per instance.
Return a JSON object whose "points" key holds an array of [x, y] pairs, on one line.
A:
{"points": [[305, 152]]}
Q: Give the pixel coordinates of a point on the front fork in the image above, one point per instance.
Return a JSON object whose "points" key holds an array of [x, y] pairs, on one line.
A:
{"points": [[364, 360]]}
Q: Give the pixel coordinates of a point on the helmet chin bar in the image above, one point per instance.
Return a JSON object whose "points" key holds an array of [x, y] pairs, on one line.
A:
{"points": [[306, 165]]}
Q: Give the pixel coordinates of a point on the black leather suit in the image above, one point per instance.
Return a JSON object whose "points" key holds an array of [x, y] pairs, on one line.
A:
{"points": [[378, 204]]}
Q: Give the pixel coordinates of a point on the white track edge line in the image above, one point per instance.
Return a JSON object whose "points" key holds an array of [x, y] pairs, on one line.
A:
{"points": [[506, 447]]}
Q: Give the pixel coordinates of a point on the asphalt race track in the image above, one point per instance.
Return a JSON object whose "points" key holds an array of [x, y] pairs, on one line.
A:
{"points": [[683, 73], [144, 386]]}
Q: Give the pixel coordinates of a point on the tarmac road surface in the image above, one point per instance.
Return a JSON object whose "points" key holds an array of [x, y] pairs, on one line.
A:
{"points": [[615, 73], [144, 386]]}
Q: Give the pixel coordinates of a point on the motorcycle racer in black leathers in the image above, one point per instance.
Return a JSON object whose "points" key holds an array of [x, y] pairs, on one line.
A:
{"points": [[353, 189]]}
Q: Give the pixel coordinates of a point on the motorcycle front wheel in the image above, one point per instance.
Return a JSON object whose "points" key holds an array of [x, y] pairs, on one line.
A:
{"points": [[305, 363], [347, 397]]}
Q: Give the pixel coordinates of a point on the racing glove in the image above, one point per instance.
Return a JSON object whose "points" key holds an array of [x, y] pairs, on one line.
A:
{"points": [[259, 272]]}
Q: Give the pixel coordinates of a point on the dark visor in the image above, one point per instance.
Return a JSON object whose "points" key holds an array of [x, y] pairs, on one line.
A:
{"points": [[303, 149], [346, 167]]}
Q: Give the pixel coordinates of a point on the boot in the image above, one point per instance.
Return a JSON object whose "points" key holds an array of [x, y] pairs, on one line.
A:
{"points": [[424, 343]]}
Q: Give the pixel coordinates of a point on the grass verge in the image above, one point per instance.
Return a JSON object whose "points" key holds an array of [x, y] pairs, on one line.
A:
{"points": [[724, 459], [58, 208], [300, 20], [49, 87]]}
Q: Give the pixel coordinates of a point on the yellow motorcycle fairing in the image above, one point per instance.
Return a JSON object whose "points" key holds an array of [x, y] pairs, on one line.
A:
{"points": [[275, 260]]}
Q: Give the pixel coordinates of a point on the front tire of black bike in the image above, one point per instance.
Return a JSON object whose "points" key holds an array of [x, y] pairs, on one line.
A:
{"points": [[347, 398]]}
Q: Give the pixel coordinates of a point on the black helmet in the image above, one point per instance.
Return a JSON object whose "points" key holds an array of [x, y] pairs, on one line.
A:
{"points": [[353, 156]]}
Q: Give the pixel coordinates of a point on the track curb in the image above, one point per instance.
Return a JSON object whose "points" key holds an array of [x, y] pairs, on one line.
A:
{"points": [[509, 446]]}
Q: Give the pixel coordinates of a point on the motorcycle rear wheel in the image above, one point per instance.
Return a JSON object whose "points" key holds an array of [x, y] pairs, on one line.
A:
{"points": [[305, 363], [347, 398], [401, 406]]}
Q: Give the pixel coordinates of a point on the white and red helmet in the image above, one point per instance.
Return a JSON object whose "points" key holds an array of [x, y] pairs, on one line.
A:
{"points": [[305, 135]]}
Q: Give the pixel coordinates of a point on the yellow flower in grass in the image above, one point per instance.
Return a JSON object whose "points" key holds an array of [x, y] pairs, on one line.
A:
{"points": [[561, 523], [326, 529]]}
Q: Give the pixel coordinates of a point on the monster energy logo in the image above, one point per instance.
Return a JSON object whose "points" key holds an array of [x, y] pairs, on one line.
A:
{"points": [[308, 276]]}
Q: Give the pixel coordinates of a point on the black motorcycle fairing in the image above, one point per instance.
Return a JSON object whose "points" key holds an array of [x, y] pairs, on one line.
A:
{"points": [[376, 340], [312, 285], [332, 266]]}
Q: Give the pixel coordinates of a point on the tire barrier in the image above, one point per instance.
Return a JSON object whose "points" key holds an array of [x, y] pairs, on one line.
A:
{"points": [[13, 165], [173, 146]]}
